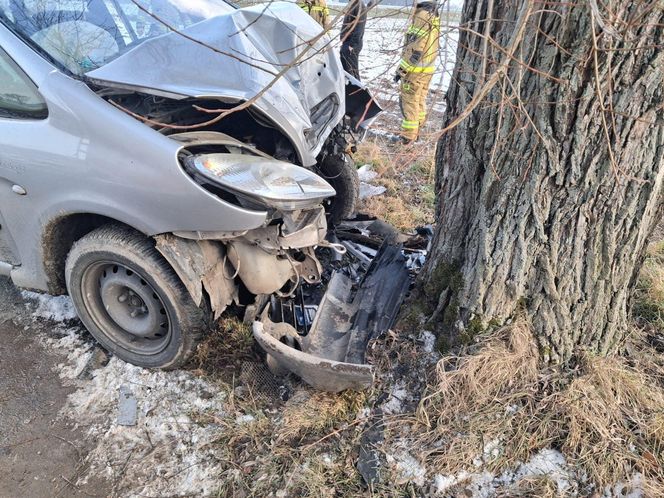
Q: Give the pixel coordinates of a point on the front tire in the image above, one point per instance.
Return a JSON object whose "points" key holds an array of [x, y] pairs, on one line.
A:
{"points": [[340, 172], [131, 300]]}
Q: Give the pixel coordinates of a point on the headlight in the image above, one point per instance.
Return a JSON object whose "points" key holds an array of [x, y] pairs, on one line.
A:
{"points": [[273, 183]]}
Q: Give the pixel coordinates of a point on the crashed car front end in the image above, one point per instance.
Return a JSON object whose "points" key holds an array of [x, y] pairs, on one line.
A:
{"points": [[238, 111], [311, 314], [274, 62], [300, 90]]}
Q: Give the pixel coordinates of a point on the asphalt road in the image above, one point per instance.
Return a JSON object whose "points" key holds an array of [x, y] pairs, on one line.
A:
{"points": [[41, 453]]}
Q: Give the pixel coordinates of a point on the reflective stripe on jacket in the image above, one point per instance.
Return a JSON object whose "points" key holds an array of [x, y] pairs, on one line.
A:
{"points": [[421, 43]]}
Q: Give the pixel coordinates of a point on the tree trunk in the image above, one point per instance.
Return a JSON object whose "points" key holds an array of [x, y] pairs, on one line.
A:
{"points": [[549, 189]]}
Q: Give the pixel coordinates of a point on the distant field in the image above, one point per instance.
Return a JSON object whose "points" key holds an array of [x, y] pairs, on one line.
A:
{"points": [[382, 11], [393, 11]]}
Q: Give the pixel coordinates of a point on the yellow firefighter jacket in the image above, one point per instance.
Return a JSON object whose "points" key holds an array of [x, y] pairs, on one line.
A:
{"points": [[422, 41], [316, 9]]}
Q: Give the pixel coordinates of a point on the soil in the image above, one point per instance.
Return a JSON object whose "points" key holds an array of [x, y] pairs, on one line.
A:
{"points": [[40, 451]]}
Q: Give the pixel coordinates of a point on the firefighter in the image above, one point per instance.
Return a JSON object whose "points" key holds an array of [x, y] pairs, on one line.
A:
{"points": [[316, 9], [352, 35], [417, 66]]}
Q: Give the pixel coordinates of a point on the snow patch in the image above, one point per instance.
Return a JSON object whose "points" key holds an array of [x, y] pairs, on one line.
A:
{"points": [[492, 449], [632, 489], [366, 173], [545, 463], [367, 189], [479, 485], [398, 396], [168, 452], [407, 468], [244, 419], [428, 341], [56, 308], [171, 451], [550, 463]]}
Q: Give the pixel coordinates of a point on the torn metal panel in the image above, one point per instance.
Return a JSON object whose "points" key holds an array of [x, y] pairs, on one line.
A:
{"points": [[329, 336], [379, 299], [299, 229], [201, 265], [361, 107]]}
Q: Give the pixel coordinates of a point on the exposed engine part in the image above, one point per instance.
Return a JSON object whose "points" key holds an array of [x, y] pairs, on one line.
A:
{"points": [[261, 272], [249, 127], [299, 229], [266, 259]]}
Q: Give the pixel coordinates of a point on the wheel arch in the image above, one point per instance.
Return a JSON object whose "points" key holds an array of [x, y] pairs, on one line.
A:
{"points": [[59, 236]]}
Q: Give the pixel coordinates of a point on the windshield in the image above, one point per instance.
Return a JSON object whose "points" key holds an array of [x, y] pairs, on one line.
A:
{"points": [[82, 35]]}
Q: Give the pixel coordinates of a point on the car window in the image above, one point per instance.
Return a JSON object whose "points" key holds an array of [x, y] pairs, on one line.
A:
{"points": [[19, 97], [83, 35], [5, 10], [78, 45]]}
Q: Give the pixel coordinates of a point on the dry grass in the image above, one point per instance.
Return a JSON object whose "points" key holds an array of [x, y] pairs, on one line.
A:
{"points": [[224, 349], [467, 405], [648, 302], [306, 447], [612, 422], [408, 177], [607, 418], [539, 486], [317, 413]]}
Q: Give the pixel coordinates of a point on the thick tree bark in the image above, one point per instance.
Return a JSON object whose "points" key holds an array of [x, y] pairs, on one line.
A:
{"points": [[549, 189]]}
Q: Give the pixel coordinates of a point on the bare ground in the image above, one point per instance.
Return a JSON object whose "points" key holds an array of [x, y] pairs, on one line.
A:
{"points": [[40, 451]]}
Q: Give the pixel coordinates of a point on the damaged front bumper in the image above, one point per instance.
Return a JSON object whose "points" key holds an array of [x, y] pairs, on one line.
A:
{"points": [[330, 353], [318, 371]]}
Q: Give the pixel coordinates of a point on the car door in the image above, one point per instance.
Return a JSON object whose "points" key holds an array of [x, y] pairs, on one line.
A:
{"points": [[20, 105]]}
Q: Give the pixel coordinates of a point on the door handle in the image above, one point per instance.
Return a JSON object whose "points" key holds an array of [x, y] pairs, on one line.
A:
{"points": [[17, 189]]}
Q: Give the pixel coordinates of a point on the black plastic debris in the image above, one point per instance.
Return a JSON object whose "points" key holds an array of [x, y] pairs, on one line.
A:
{"points": [[379, 299], [321, 333], [370, 461]]}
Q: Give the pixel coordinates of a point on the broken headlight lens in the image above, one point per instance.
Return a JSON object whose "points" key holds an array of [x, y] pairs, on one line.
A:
{"points": [[270, 182]]}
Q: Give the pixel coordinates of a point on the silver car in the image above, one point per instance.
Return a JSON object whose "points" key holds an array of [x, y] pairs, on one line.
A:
{"points": [[162, 160]]}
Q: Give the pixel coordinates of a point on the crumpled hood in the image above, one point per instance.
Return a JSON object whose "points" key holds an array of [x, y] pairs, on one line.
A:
{"points": [[256, 44]]}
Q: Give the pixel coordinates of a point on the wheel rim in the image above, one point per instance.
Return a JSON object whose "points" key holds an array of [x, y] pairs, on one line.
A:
{"points": [[126, 308]]}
